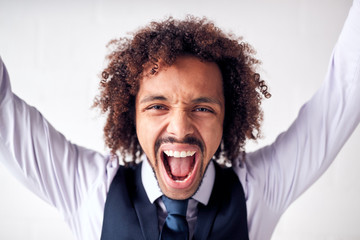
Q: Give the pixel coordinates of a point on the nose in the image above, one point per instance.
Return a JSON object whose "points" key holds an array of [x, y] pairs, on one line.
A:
{"points": [[180, 124]]}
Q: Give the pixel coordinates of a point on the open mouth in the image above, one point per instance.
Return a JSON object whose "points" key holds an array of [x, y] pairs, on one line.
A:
{"points": [[179, 165]]}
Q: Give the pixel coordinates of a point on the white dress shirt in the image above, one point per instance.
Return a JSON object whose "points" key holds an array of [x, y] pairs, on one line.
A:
{"points": [[76, 180]]}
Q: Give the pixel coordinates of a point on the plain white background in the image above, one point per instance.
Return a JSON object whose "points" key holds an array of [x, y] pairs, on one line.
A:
{"points": [[54, 52]]}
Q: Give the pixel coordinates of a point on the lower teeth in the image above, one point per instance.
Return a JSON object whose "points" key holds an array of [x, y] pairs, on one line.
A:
{"points": [[179, 178]]}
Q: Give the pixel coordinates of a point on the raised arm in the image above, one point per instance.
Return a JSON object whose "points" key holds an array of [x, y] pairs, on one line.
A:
{"points": [[300, 155], [40, 157]]}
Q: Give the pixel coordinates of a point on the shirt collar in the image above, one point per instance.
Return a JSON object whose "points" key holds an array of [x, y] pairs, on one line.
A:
{"points": [[153, 190]]}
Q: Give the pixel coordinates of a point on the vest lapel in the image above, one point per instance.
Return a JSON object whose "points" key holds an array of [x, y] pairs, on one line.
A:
{"points": [[225, 216], [145, 211], [128, 213], [205, 220], [207, 214]]}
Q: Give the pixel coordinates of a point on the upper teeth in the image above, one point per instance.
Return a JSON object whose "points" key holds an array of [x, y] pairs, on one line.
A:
{"points": [[181, 154]]}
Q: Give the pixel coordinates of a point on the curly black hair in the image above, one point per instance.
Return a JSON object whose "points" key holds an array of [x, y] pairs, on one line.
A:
{"points": [[165, 41]]}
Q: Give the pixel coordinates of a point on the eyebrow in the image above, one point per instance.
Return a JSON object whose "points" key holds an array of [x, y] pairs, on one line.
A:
{"points": [[153, 98], [196, 100], [207, 100]]}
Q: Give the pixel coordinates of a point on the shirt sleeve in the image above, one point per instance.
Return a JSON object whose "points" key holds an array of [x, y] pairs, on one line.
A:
{"points": [[40, 157], [299, 156]]}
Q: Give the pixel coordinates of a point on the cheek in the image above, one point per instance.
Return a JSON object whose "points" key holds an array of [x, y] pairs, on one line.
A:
{"points": [[147, 131], [143, 132], [212, 135]]}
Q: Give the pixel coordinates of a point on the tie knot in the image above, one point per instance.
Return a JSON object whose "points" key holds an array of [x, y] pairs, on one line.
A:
{"points": [[178, 207]]}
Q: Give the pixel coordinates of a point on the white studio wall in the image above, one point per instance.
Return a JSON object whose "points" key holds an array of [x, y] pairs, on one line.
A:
{"points": [[55, 50]]}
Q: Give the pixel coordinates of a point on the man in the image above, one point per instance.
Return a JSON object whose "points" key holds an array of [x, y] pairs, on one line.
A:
{"points": [[183, 110]]}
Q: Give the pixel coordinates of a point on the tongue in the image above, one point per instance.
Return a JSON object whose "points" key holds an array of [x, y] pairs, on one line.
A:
{"points": [[180, 167]]}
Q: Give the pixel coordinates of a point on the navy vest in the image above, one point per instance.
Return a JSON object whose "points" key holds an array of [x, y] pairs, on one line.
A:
{"points": [[129, 214]]}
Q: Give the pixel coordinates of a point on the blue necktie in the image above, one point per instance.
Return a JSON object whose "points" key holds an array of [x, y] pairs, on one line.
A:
{"points": [[175, 226]]}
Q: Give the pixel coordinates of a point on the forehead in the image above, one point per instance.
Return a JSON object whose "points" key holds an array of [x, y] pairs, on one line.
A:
{"points": [[186, 77]]}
